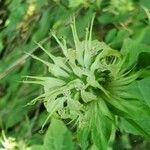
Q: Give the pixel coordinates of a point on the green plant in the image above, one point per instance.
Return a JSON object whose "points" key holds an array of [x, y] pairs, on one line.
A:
{"points": [[10, 143], [96, 88], [121, 6]]}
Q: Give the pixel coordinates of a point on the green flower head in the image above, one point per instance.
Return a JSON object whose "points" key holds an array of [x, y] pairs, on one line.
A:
{"points": [[89, 86]]}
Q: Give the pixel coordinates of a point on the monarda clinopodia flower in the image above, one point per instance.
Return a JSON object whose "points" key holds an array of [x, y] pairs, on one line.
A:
{"points": [[89, 85]]}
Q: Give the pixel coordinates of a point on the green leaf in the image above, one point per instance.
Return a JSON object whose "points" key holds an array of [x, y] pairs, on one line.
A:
{"points": [[110, 35], [43, 27], [58, 137], [145, 3], [1, 45], [17, 113], [101, 132], [142, 34], [140, 90], [144, 60], [101, 127], [37, 147], [83, 137], [144, 87], [131, 49], [137, 127], [119, 38], [74, 4], [106, 18], [130, 108]]}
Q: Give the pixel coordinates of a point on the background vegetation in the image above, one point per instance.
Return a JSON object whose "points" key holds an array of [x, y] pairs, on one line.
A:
{"points": [[24, 22]]}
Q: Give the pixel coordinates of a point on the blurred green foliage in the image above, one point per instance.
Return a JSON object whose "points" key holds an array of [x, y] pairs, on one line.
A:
{"points": [[24, 22]]}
